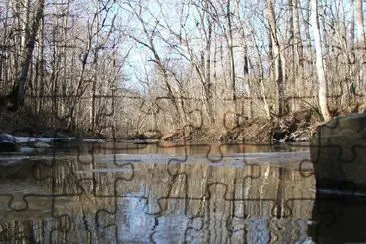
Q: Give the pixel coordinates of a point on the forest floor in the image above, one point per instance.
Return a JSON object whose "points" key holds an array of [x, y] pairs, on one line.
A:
{"points": [[27, 124], [295, 127]]}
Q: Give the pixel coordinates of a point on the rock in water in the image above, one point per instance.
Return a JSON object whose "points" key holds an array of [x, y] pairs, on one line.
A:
{"points": [[338, 152], [8, 147], [8, 143]]}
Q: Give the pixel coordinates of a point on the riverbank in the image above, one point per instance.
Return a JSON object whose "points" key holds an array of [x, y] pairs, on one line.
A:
{"points": [[299, 126], [24, 123], [23, 131], [295, 127]]}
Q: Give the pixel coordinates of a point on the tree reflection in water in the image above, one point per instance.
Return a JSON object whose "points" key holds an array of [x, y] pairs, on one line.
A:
{"points": [[116, 198]]}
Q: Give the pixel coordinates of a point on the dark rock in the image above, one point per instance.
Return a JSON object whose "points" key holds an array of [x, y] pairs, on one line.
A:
{"points": [[341, 220], [8, 147], [8, 143], [137, 137], [280, 134], [338, 152]]}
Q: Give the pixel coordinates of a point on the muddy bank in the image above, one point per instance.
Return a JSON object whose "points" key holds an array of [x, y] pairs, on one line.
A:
{"points": [[24, 131], [294, 127], [25, 123]]}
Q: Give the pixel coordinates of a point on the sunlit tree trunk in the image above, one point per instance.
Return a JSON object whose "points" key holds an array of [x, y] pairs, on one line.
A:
{"points": [[276, 57], [361, 45], [206, 65], [232, 61], [359, 23], [298, 67], [322, 83]]}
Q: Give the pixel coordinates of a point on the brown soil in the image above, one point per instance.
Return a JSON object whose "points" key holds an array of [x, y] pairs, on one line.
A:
{"points": [[298, 126]]}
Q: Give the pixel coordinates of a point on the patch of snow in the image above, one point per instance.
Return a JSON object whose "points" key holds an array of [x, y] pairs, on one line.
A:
{"points": [[7, 138], [25, 139], [93, 140]]}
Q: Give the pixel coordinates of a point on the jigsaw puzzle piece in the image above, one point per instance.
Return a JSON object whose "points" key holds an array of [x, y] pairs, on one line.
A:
{"points": [[338, 153], [339, 213]]}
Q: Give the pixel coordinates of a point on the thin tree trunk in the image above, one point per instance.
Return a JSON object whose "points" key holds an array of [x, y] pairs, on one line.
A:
{"points": [[207, 69], [18, 100], [298, 52], [359, 23], [230, 43], [277, 58], [361, 45], [322, 83]]}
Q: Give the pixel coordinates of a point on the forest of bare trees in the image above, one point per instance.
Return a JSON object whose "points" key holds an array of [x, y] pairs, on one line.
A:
{"points": [[155, 65]]}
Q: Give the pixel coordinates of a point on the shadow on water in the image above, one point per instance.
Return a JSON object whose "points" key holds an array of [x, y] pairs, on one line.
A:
{"points": [[91, 197], [338, 219]]}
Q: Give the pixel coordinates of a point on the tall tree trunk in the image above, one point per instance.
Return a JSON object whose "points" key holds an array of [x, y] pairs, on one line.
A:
{"points": [[41, 64], [359, 23], [297, 52], [18, 91], [276, 56], [232, 61], [322, 83], [208, 86], [309, 89], [361, 45]]}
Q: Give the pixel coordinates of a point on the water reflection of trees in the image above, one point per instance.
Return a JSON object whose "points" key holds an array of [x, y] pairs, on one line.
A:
{"points": [[171, 201]]}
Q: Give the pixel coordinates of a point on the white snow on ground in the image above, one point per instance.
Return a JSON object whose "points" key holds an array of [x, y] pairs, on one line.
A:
{"points": [[93, 140], [24, 139]]}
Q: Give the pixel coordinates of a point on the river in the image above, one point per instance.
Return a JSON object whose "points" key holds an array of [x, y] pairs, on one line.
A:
{"points": [[120, 192]]}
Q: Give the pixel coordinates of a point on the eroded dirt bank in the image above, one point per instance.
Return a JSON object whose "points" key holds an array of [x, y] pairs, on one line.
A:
{"points": [[295, 127]]}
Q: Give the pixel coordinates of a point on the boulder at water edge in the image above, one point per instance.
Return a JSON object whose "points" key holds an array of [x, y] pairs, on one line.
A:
{"points": [[338, 152], [8, 143]]}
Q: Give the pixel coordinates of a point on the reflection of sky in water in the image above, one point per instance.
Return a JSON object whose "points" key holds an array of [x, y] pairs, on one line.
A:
{"points": [[198, 201], [136, 226], [133, 224]]}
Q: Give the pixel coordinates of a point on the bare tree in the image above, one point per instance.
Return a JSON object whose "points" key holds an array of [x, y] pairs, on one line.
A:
{"points": [[205, 23], [29, 40], [322, 82], [67, 58], [150, 34], [359, 23], [297, 50], [278, 69]]}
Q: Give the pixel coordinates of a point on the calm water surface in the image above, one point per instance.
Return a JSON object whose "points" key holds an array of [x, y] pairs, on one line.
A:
{"points": [[169, 193]]}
